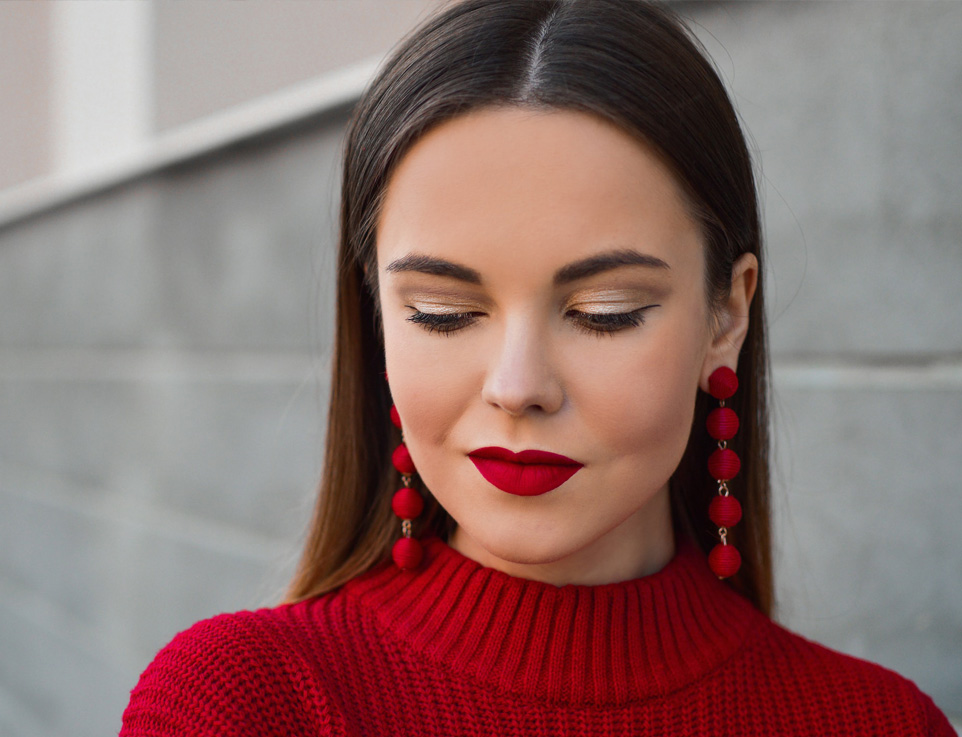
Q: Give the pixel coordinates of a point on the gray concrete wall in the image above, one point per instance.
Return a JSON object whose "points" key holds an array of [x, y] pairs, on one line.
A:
{"points": [[856, 115], [163, 355], [162, 367]]}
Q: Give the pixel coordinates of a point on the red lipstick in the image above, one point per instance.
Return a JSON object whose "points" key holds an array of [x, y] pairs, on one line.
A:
{"points": [[528, 473]]}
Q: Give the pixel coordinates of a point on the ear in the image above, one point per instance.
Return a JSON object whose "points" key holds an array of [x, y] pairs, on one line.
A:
{"points": [[731, 323]]}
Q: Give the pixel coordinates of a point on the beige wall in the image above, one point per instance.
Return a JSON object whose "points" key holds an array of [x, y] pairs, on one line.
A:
{"points": [[203, 57], [24, 91], [210, 56]]}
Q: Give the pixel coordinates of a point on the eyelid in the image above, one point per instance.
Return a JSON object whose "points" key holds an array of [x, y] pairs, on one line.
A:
{"points": [[607, 308], [442, 307], [624, 299], [439, 309]]}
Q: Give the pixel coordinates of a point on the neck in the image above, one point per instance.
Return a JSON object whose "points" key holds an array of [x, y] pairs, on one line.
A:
{"points": [[640, 546]]}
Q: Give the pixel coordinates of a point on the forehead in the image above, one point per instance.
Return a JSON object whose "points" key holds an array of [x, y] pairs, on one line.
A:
{"points": [[507, 185]]}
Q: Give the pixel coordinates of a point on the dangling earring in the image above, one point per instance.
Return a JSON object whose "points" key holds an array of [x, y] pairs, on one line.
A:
{"points": [[406, 503], [723, 465]]}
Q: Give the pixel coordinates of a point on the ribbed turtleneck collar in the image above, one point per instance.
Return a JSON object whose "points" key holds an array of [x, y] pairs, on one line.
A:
{"points": [[576, 645]]}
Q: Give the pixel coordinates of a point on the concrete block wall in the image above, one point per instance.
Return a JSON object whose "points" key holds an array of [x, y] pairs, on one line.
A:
{"points": [[162, 378], [163, 360], [854, 112]]}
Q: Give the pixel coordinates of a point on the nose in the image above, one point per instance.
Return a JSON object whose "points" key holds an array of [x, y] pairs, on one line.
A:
{"points": [[521, 376]]}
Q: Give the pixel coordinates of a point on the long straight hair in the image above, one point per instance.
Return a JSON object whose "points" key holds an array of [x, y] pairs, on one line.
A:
{"points": [[629, 62]]}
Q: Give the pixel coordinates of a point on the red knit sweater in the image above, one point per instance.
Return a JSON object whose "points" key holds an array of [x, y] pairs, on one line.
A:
{"points": [[459, 649]]}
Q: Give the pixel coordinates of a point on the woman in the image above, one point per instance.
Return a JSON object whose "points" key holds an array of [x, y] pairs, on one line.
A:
{"points": [[549, 278]]}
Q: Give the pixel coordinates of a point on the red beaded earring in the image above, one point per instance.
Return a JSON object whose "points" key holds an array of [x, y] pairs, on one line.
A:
{"points": [[406, 503], [723, 465]]}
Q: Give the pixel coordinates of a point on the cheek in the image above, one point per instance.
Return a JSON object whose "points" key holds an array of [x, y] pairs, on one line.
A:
{"points": [[432, 402], [640, 403], [428, 381]]}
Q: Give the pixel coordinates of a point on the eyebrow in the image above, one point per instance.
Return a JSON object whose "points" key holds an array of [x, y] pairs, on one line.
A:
{"points": [[565, 275], [435, 266], [606, 262]]}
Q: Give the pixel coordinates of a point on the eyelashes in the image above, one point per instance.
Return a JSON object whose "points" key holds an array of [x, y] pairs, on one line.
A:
{"points": [[591, 323], [609, 322], [444, 324]]}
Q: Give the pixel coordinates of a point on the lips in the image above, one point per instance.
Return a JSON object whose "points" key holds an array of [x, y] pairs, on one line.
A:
{"points": [[528, 473]]}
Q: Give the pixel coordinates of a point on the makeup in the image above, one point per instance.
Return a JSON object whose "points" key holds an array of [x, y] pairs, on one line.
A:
{"points": [[528, 473]]}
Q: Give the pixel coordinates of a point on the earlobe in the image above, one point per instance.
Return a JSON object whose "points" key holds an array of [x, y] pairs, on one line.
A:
{"points": [[733, 321]]}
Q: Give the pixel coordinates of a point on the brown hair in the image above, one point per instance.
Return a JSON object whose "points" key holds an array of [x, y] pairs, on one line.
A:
{"points": [[627, 61]]}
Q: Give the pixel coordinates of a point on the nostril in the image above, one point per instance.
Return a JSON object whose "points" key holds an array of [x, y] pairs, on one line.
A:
{"points": [[518, 395]]}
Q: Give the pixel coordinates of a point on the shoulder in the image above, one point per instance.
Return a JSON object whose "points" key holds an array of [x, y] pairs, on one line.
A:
{"points": [[249, 672], [845, 693]]}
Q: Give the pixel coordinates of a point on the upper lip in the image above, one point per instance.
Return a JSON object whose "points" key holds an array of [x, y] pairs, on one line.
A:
{"points": [[543, 457]]}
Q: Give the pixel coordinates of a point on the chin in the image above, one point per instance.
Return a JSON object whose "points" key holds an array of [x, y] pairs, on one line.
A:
{"points": [[524, 545]]}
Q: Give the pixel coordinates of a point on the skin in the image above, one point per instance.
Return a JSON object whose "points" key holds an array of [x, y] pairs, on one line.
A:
{"points": [[516, 195]]}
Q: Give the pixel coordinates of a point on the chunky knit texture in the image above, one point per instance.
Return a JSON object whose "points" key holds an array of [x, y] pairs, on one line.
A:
{"points": [[458, 649]]}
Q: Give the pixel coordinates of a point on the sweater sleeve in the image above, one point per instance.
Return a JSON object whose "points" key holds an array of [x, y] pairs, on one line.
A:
{"points": [[228, 676]]}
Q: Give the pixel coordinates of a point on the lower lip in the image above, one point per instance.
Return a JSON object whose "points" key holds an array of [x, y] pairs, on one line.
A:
{"points": [[524, 479]]}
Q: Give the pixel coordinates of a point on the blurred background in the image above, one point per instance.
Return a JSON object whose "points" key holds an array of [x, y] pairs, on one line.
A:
{"points": [[168, 195]]}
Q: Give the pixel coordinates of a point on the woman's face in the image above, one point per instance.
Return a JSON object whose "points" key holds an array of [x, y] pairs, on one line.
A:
{"points": [[542, 288]]}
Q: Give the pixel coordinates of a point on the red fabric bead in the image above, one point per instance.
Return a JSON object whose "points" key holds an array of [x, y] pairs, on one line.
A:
{"points": [[401, 459], [407, 503], [725, 511], [724, 560], [407, 553], [722, 423], [395, 417], [724, 464], [722, 383]]}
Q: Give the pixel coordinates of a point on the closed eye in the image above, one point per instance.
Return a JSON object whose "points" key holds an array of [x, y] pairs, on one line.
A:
{"points": [[589, 322], [608, 323], [443, 323]]}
